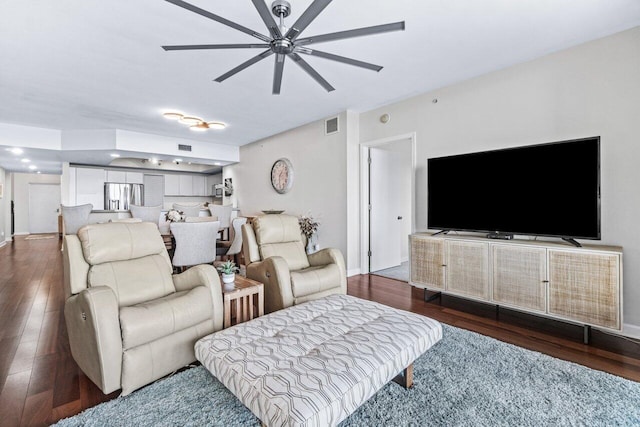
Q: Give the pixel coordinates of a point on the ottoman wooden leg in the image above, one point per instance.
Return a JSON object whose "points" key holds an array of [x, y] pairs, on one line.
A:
{"points": [[405, 379]]}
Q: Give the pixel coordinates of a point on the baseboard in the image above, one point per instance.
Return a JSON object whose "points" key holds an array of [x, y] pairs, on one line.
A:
{"points": [[22, 233], [631, 331], [4, 243], [353, 272]]}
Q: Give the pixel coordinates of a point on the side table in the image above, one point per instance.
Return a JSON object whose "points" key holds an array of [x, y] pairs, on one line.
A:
{"points": [[243, 300]]}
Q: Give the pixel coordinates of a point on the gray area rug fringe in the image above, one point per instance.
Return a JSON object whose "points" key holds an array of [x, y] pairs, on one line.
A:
{"points": [[466, 379]]}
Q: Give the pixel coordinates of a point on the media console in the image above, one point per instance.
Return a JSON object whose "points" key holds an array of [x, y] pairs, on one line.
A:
{"points": [[580, 285]]}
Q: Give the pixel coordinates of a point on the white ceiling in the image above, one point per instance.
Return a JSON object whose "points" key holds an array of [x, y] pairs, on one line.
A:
{"points": [[91, 64]]}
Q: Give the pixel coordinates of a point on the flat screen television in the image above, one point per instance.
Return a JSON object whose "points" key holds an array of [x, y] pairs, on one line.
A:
{"points": [[548, 189]]}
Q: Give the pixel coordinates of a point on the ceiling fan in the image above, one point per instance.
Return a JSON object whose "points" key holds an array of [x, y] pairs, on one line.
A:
{"points": [[283, 41]]}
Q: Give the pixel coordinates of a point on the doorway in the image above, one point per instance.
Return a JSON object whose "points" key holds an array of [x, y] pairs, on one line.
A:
{"points": [[388, 211], [44, 208]]}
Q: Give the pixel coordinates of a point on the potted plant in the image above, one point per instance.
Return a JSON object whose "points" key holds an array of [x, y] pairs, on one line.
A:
{"points": [[228, 270]]}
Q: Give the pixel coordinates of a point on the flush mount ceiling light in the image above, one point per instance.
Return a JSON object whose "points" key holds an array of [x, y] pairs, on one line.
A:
{"points": [[15, 151], [25, 160], [114, 155], [172, 115], [284, 41], [33, 167], [194, 123]]}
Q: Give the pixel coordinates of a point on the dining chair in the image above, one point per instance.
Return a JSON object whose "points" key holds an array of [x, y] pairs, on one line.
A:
{"points": [[192, 210], [146, 213], [224, 216], [233, 246], [195, 243]]}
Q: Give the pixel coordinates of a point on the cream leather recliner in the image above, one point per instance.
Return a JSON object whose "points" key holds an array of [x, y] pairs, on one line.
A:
{"points": [[129, 320], [274, 254]]}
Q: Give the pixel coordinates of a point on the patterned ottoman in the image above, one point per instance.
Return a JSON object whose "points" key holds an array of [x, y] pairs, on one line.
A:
{"points": [[315, 363]]}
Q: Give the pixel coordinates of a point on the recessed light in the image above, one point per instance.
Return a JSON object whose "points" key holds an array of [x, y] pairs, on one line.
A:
{"points": [[177, 160], [15, 151], [218, 164], [190, 120], [33, 167], [114, 155], [154, 161], [171, 115], [38, 172], [25, 160], [216, 125]]}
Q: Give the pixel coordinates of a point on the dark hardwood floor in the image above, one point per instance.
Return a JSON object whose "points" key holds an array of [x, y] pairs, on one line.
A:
{"points": [[41, 383]]}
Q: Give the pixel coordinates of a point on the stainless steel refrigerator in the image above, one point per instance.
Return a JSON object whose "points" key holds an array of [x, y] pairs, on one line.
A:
{"points": [[118, 197]]}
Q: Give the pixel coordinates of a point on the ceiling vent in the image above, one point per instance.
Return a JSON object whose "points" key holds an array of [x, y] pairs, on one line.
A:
{"points": [[184, 147], [331, 126]]}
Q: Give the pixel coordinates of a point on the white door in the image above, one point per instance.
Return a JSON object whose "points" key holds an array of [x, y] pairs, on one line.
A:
{"points": [[44, 205], [385, 221]]}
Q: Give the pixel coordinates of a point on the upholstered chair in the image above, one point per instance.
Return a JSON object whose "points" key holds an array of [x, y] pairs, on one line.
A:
{"points": [[188, 210], [224, 216], [195, 243], [274, 255], [146, 213], [74, 217], [233, 246], [129, 320]]}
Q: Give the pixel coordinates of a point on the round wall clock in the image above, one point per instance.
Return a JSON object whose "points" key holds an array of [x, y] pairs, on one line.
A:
{"points": [[282, 175]]}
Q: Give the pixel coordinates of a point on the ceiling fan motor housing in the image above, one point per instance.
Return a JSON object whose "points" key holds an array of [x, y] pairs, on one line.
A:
{"points": [[281, 8]]}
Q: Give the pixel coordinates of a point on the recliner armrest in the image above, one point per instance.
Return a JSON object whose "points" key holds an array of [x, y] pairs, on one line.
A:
{"points": [[203, 275], [274, 273], [93, 325], [330, 256]]}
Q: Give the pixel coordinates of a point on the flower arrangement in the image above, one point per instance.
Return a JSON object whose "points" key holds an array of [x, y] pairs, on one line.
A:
{"points": [[228, 267], [174, 215], [308, 225]]}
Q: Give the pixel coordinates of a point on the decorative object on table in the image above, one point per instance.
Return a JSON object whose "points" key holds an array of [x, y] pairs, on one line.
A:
{"points": [[309, 227], [272, 212], [282, 175], [228, 270], [174, 215]]}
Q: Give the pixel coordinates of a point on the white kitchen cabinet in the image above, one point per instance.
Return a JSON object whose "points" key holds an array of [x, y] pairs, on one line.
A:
{"points": [[116, 176], [90, 187], [172, 185], [199, 183], [134, 178], [186, 185]]}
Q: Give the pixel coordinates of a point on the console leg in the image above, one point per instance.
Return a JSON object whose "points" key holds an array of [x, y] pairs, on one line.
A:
{"points": [[586, 334], [430, 296]]}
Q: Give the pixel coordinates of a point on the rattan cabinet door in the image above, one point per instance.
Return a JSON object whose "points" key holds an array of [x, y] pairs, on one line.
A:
{"points": [[519, 275], [468, 268], [427, 261], [585, 287]]}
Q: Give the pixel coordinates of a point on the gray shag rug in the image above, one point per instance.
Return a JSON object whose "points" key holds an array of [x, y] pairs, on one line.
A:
{"points": [[466, 379]]}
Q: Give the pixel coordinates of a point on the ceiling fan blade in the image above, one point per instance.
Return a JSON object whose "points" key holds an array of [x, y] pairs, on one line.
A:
{"points": [[215, 46], [367, 31], [313, 73], [277, 73], [266, 16], [305, 19], [244, 65], [338, 58], [220, 19]]}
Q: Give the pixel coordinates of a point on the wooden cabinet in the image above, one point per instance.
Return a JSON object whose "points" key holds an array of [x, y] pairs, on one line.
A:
{"points": [[467, 266], [427, 262], [585, 287], [582, 285], [519, 276]]}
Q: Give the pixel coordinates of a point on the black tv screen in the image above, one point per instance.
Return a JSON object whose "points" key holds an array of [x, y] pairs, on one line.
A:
{"points": [[546, 190]]}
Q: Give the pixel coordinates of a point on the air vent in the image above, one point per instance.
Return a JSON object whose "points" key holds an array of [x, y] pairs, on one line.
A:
{"points": [[183, 147], [331, 126]]}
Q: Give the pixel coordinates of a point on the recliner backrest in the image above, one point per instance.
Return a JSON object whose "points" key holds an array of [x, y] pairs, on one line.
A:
{"points": [[130, 258], [279, 235]]}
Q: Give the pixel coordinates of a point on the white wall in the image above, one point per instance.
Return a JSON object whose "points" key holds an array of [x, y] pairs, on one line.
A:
{"points": [[319, 186], [4, 210], [592, 89], [21, 183]]}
